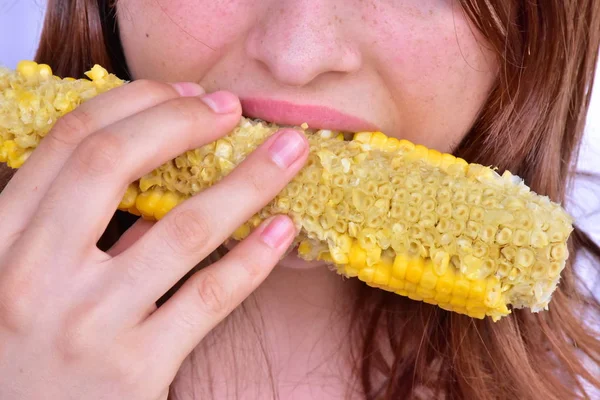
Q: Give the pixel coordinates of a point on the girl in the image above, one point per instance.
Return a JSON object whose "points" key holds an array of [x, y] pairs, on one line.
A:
{"points": [[91, 308]]}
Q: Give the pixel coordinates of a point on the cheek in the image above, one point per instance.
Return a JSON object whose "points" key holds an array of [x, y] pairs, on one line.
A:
{"points": [[437, 72], [179, 39]]}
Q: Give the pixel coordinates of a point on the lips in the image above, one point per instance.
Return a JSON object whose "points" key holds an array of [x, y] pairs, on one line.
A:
{"points": [[317, 117]]}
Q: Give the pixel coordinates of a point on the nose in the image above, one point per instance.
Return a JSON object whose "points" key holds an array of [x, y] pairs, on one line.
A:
{"points": [[300, 40]]}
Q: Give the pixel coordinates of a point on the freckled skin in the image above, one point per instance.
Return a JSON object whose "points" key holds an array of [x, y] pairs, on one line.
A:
{"points": [[414, 68]]}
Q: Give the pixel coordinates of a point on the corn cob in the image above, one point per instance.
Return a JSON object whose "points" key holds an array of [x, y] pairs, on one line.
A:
{"points": [[398, 216]]}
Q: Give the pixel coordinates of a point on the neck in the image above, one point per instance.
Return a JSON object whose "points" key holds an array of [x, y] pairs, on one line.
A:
{"points": [[291, 336]]}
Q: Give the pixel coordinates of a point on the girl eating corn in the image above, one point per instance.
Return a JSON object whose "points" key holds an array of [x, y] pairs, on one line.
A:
{"points": [[233, 120]]}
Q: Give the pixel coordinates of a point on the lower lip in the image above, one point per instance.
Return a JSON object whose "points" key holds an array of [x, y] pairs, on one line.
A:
{"points": [[317, 117]]}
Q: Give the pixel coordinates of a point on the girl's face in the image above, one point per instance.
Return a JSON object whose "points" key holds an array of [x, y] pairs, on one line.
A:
{"points": [[414, 69]]}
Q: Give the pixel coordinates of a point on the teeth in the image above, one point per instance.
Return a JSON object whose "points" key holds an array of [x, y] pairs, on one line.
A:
{"points": [[325, 134]]}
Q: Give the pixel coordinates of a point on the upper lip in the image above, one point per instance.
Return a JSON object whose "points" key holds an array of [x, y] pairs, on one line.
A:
{"points": [[316, 116]]}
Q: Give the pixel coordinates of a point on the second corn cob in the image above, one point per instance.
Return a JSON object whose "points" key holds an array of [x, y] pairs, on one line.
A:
{"points": [[396, 215]]}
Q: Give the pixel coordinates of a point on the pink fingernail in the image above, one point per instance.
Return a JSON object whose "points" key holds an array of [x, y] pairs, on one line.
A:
{"points": [[221, 102], [188, 89], [287, 148], [277, 231]]}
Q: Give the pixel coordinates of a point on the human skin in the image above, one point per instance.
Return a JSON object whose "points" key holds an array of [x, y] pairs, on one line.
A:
{"points": [[414, 69], [78, 322]]}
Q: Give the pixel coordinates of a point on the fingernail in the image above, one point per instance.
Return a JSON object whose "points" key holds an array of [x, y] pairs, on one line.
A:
{"points": [[221, 102], [287, 148], [277, 231], [188, 89]]}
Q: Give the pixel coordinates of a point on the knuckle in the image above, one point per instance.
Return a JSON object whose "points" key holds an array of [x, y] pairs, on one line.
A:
{"points": [[252, 182], [152, 89], [136, 270], [211, 294], [16, 302], [70, 129], [251, 263], [99, 154], [77, 336], [188, 231], [128, 370], [257, 182]]}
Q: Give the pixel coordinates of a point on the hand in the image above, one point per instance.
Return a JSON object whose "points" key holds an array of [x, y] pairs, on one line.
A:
{"points": [[79, 323]]}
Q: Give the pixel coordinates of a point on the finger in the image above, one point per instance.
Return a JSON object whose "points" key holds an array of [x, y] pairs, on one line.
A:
{"points": [[212, 293], [97, 174], [137, 230], [22, 195], [186, 235]]}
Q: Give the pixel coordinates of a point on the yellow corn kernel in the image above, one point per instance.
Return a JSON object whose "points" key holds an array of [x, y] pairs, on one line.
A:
{"points": [[363, 137], [415, 296], [414, 272], [28, 69], [338, 256], [7, 149], [434, 157], [242, 232], [461, 288], [366, 274], [147, 202], [458, 302], [400, 266], [358, 256], [425, 293], [15, 156], [305, 248], [382, 272], [446, 161], [477, 292], [441, 261], [445, 284], [133, 210], [429, 277], [395, 284], [410, 287], [167, 202], [378, 140], [129, 197], [325, 256], [392, 144], [405, 146], [398, 216], [419, 152], [442, 298], [44, 71]]}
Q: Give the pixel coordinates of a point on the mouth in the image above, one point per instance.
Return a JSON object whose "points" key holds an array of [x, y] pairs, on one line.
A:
{"points": [[316, 117]]}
